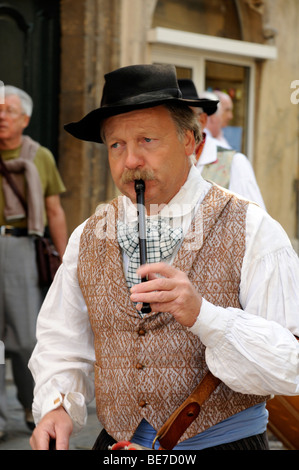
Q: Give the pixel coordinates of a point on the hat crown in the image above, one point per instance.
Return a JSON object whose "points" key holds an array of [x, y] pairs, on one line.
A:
{"points": [[188, 89], [131, 88], [128, 83]]}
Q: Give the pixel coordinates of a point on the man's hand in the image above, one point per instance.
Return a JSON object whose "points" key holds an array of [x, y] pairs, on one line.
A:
{"points": [[168, 290], [55, 425]]}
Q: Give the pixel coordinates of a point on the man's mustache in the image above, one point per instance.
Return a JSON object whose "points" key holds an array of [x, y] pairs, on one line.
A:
{"points": [[129, 176]]}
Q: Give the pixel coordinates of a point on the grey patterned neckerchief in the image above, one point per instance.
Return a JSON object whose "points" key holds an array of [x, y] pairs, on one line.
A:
{"points": [[161, 242]]}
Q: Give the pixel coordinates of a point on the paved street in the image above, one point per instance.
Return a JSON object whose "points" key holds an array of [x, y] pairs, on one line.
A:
{"points": [[18, 434]]}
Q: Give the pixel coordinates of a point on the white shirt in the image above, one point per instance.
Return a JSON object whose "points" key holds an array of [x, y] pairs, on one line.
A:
{"points": [[242, 177], [220, 139], [252, 350]]}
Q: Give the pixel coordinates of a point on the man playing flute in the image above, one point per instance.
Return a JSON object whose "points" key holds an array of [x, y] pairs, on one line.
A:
{"points": [[223, 286]]}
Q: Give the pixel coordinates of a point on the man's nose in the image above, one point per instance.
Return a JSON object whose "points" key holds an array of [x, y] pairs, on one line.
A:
{"points": [[134, 156]]}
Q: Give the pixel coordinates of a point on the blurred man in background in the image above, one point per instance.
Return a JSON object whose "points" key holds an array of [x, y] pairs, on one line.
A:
{"points": [[33, 172]]}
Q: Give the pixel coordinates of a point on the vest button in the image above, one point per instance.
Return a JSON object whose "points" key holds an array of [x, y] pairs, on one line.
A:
{"points": [[139, 366], [142, 403], [141, 332]]}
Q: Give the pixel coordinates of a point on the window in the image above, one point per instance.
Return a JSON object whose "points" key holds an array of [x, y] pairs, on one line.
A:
{"points": [[233, 80]]}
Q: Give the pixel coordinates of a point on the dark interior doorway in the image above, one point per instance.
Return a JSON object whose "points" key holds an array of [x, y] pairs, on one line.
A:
{"points": [[30, 59]]}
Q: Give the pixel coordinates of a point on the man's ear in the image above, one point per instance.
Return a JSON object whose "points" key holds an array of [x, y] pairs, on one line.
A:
{"points": [[203, 119], [189, 142], [26, 120]]}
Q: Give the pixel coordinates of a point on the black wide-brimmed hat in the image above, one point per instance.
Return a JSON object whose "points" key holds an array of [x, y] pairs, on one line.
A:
{"points": [[130, 88], [189, 92]]}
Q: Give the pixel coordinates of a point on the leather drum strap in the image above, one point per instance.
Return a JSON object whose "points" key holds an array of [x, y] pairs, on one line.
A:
{"points": [[170, 433]]}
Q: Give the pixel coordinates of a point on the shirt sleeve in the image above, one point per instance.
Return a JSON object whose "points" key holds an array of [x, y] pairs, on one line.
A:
{"points": [[254, 349], [62, 361], [243, 181]]}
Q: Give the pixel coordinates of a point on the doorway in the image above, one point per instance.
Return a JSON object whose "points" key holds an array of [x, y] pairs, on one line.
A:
{"points": [[30, 58]]}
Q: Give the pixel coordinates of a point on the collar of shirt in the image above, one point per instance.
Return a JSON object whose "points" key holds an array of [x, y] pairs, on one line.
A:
{"points": [[208, 154]]}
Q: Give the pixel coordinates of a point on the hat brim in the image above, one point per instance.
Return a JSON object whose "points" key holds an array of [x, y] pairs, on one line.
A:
{"points": [[89, 127]]}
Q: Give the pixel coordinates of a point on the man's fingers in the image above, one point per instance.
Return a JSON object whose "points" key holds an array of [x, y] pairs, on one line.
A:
{"points": [[162, 269], [151, 295], [55, 425], [159, 277], [168, 290], [153, 285], [40, 439], [62, 441]]}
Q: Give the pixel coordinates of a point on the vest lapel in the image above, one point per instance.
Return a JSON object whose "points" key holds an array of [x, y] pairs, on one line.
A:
{"points": [[205, 218]]}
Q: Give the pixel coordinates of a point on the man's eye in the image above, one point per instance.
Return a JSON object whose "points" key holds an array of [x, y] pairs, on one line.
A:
{"points": [[115, 145], [147, 139]]}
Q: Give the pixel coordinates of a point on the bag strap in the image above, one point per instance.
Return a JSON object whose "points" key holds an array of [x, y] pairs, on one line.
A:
{"points": [[10, 181], [170, 433]]}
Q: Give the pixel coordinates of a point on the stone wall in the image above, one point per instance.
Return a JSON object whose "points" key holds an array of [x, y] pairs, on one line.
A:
{"points": [[89, 49], [277, 119]]}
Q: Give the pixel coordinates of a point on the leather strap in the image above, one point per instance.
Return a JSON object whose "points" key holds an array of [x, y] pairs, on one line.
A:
{"points": [[170, 433]]}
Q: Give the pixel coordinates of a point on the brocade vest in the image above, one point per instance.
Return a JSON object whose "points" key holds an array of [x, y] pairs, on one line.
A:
{"points": [[146, 367]]}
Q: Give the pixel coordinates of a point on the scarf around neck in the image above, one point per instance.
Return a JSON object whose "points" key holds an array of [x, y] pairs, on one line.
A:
{"points": [[13, 209]]}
